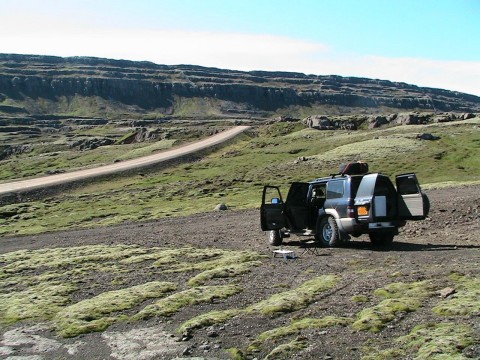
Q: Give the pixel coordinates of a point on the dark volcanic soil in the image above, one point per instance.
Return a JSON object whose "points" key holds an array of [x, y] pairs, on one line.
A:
{"points": [[448, 241]]}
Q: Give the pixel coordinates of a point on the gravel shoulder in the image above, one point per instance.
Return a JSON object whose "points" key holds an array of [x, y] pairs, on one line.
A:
{"points": [[447, 243]]}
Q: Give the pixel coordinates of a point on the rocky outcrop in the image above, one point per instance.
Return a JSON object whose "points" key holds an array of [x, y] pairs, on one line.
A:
{"points": [[90, 143], [140, 87], [354, 122], [10, 150]]}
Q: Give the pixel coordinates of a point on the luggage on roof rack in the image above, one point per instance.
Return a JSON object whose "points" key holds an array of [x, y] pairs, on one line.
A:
{"points": [[354, 168]]}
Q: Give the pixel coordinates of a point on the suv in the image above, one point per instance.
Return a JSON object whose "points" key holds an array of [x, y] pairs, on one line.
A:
{"points": [[339, 206]]}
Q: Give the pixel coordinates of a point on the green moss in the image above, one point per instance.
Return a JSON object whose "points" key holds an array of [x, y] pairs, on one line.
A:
{"points": [[42, 301], [230, 270], [400, 297], [208, 319], [466, 299], [438, 341], [285, 351], [283, 302], [236, 354], [375, 318], [295, 299], [173, 303], [297, 326], [359, 298], [93, 314], [387, 354]]}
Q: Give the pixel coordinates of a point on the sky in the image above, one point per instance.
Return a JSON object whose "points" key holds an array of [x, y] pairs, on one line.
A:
{"points": [[431, 43]]}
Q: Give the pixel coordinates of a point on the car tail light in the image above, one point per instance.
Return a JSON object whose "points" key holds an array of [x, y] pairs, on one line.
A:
{"points": [[362, 210]]}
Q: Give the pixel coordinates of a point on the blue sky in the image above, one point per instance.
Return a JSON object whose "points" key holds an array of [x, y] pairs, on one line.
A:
{"points": [[432, 43]]}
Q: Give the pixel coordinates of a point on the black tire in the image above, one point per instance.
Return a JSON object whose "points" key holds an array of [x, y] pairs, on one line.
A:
{"points": [[381, 239], [327, 232], [275, 237]]}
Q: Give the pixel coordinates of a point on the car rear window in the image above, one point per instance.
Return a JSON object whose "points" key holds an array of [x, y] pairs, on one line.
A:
{"points": [[335, 189]]}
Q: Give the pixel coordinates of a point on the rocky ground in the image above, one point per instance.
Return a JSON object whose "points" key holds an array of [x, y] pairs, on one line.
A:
{"points": [[426, 252]]}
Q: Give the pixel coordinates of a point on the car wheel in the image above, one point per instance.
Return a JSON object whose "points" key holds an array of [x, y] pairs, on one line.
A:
{"points": [[275, 237], [381, 238], [327, 231]]}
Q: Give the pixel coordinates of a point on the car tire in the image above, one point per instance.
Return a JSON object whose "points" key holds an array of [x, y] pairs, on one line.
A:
{"points": [[381, 239], [275, 237], [327, 232]]}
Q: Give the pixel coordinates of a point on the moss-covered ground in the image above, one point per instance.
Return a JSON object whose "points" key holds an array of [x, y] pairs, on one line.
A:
{"points": [[87, 288]]}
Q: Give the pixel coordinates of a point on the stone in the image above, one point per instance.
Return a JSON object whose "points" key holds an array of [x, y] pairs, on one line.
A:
{"points": [[221, 207], [446, 292]]}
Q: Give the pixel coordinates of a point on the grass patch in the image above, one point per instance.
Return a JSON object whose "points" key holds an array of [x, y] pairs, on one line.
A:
{"points": [[285, 351], [225, 271], [295, 299], [399, 297], [39, 284], [438, 341], [173, 303], [208, 319], [465, 301], [39, 302], [284, 302], [296, 327], [94, 314]]}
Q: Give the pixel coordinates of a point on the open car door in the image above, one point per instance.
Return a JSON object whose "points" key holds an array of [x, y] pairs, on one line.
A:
{"points": [[272, 215], [297, 206], [412, 203], [376, 199]]}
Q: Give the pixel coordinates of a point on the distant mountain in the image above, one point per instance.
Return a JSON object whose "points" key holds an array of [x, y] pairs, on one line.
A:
{"points": [[48, 87]]}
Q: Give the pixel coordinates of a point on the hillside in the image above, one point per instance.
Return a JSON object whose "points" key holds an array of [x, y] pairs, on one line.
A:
{"points": [[38, 88]]}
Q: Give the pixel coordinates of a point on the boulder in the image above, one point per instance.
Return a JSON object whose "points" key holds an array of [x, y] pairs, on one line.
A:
{"points": [[467, 116], [377, 121], [221, 207], [426, 136]]}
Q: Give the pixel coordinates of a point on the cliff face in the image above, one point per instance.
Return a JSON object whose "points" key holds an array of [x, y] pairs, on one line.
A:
{"points": [[43, 85]]}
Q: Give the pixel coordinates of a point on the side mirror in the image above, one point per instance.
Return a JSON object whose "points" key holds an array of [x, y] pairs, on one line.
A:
{"points": [[276, 201]]}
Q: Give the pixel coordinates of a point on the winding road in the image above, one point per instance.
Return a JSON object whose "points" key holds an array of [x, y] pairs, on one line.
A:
{"points": [[51, 180]]}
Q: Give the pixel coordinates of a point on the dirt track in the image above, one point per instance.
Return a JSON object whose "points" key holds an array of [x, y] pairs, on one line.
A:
{"points": [[448, 242], [26, 185]]}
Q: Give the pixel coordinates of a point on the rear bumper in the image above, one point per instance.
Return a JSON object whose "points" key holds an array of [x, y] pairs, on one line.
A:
{"points": [[352, 226]]}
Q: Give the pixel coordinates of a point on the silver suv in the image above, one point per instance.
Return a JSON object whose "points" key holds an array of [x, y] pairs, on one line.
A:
{"points": [[337, 207]]}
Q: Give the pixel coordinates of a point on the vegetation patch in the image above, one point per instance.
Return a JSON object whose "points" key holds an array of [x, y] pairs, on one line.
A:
{"points": [[38, 302], [39, 284], [208, 319], [285, 351], [93, 314], [371, 149], [295, 299], [297, 326], [284, 302], [466, 299], [438, 341], [173, 303], [399, 297], [230, 270]]}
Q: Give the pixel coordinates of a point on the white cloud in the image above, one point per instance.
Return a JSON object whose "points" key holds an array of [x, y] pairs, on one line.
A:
{"points": [[238, 51]]}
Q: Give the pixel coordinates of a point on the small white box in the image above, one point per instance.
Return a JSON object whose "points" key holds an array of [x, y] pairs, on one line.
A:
{"points": [[380, 206]]}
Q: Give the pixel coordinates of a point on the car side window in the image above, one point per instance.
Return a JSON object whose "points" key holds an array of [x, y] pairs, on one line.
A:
{"points": [[318, 194], [335, 189]]}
